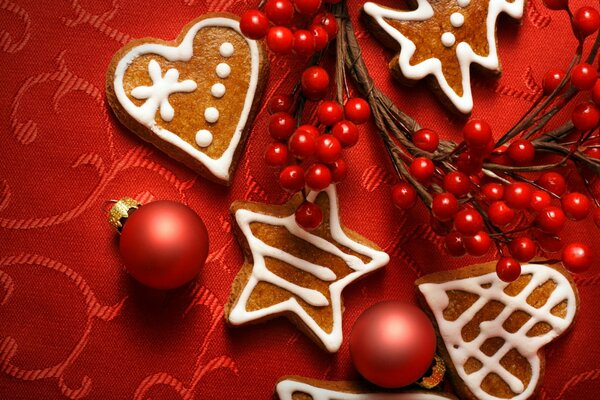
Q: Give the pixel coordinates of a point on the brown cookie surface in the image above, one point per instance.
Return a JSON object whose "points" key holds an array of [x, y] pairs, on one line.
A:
{"points": [[194, 98], [492, 333], [290, 271]]}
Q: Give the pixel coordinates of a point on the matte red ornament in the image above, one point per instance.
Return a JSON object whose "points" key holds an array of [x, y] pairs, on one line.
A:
{"points": [[392, 344]]}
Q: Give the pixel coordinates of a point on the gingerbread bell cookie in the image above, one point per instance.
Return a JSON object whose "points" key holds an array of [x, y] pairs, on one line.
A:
{"points": [[441, 39], [298, 388], [293, 272], [193, 98], [492, 333]]}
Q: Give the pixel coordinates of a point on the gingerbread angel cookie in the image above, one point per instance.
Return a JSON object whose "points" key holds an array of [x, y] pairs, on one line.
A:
{"points": [[441, 39], [492, 333], [293, 272], [193, 98]]}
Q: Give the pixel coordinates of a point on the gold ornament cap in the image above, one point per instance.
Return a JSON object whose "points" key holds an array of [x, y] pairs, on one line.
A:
{"points": [[120, 211]]}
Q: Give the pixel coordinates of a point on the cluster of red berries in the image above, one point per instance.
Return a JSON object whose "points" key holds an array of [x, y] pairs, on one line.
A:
{"points": [[284, 36], [311, 155], [519, 217]]}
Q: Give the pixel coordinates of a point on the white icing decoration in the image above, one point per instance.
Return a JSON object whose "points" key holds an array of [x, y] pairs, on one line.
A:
{"points": [[158, 94], [184, 52], [223, 70], [460, 351], [457, 20], [260, 250], [286, 388], [465, 54], [463, 3], [226, 50], [204, 138], [217, 90], [211, 115], [448, 39]]}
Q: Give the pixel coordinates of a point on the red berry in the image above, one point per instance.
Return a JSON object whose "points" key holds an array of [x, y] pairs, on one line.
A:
{"points": [[346, 132], [576, 206], [328, 149], [551, 219], [518, 195], [577, 257], [422, 169], [597, 216], [357, 110], [552, 80], [280, 12], [308, 215], [307, 7], [508, 269], [521, 151], [499, 156], [315, 82], [327, 20], [556, 4], [321, 36], [539, 200], [280, 40], [254, 24], [281, 125], [444, 206], [404, 195], [583, 76], [304, 42], [457, 183], [454, 244], [522, 249], [549, 243], [596, 92], [426, 140], [469, 163], [479, 244], [310, 129], [477, 133], [317, 177], [339, 170], [302, 144], [553, 182], [291, 178], [276, 155], [586, 20], [585, 116], [330, 112], [500, 214], [492, 191], [468, 222], [280, 103]]}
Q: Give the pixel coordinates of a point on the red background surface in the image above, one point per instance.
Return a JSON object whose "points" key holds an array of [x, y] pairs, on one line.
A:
{"points": [[74, 325]]}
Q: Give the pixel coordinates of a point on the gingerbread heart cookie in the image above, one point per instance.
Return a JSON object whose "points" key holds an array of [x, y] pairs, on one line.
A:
{"points": [[290, 271], [440, 39], [298, 388], [193, 98], [492, 333]]}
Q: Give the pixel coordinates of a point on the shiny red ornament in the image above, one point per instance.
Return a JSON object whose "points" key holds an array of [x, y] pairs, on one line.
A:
{"points": [[392, 344], [540, 200], [276, 155], [577, 257], [330, 112], [328, 149], [586, 20], [492, 191], [281, 125], [552, 80], [444, 206], [479, 244], [551, 219], [346, 132], [357, 110], [477, 133], [576, 205], [468, 222], [254, 24], [426, 140], [583, 76], [500, 214], [586, 116], [508, 269], [164, 244], [457, 183], [422, 169], [518, 195], [304, 43], [291, 178], [404, 195], [522, 249], [302, 144], [314, 82], [318, 177], [521, 152], [280, 40]]}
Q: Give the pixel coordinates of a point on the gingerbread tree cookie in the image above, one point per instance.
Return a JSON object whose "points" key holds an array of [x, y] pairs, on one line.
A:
{"points": [[442, 38], [293, 272]]}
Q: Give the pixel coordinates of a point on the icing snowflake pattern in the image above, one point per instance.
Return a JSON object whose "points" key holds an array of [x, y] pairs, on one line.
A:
{"points": [[157, 95]]}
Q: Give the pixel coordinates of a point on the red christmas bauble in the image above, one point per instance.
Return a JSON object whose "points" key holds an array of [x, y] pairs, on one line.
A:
{"points": [[392, 344], [164, 244]]}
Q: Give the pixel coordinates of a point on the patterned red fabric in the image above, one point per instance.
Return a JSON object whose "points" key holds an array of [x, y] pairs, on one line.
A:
{"points": [[74, 325]]}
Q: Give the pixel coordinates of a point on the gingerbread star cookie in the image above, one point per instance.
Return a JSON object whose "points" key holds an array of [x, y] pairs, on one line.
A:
{"points": [[193, 98], [293, 272], [492, 333], [298, 388], [441, 39]]}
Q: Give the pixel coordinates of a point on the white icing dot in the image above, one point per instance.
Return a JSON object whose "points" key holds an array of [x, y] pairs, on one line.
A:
{"points": [[226, 49], [211, 115], [204, 138], [223, 70], [463, 3], [218, 90], [457, 20], [448, 39]]}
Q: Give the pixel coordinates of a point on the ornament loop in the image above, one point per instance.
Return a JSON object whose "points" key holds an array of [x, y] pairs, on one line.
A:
{"points": [[438, 369], [120, 211]]}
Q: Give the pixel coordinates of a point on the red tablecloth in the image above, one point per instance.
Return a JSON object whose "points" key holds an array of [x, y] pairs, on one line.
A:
{"points": [[74, 325]]}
